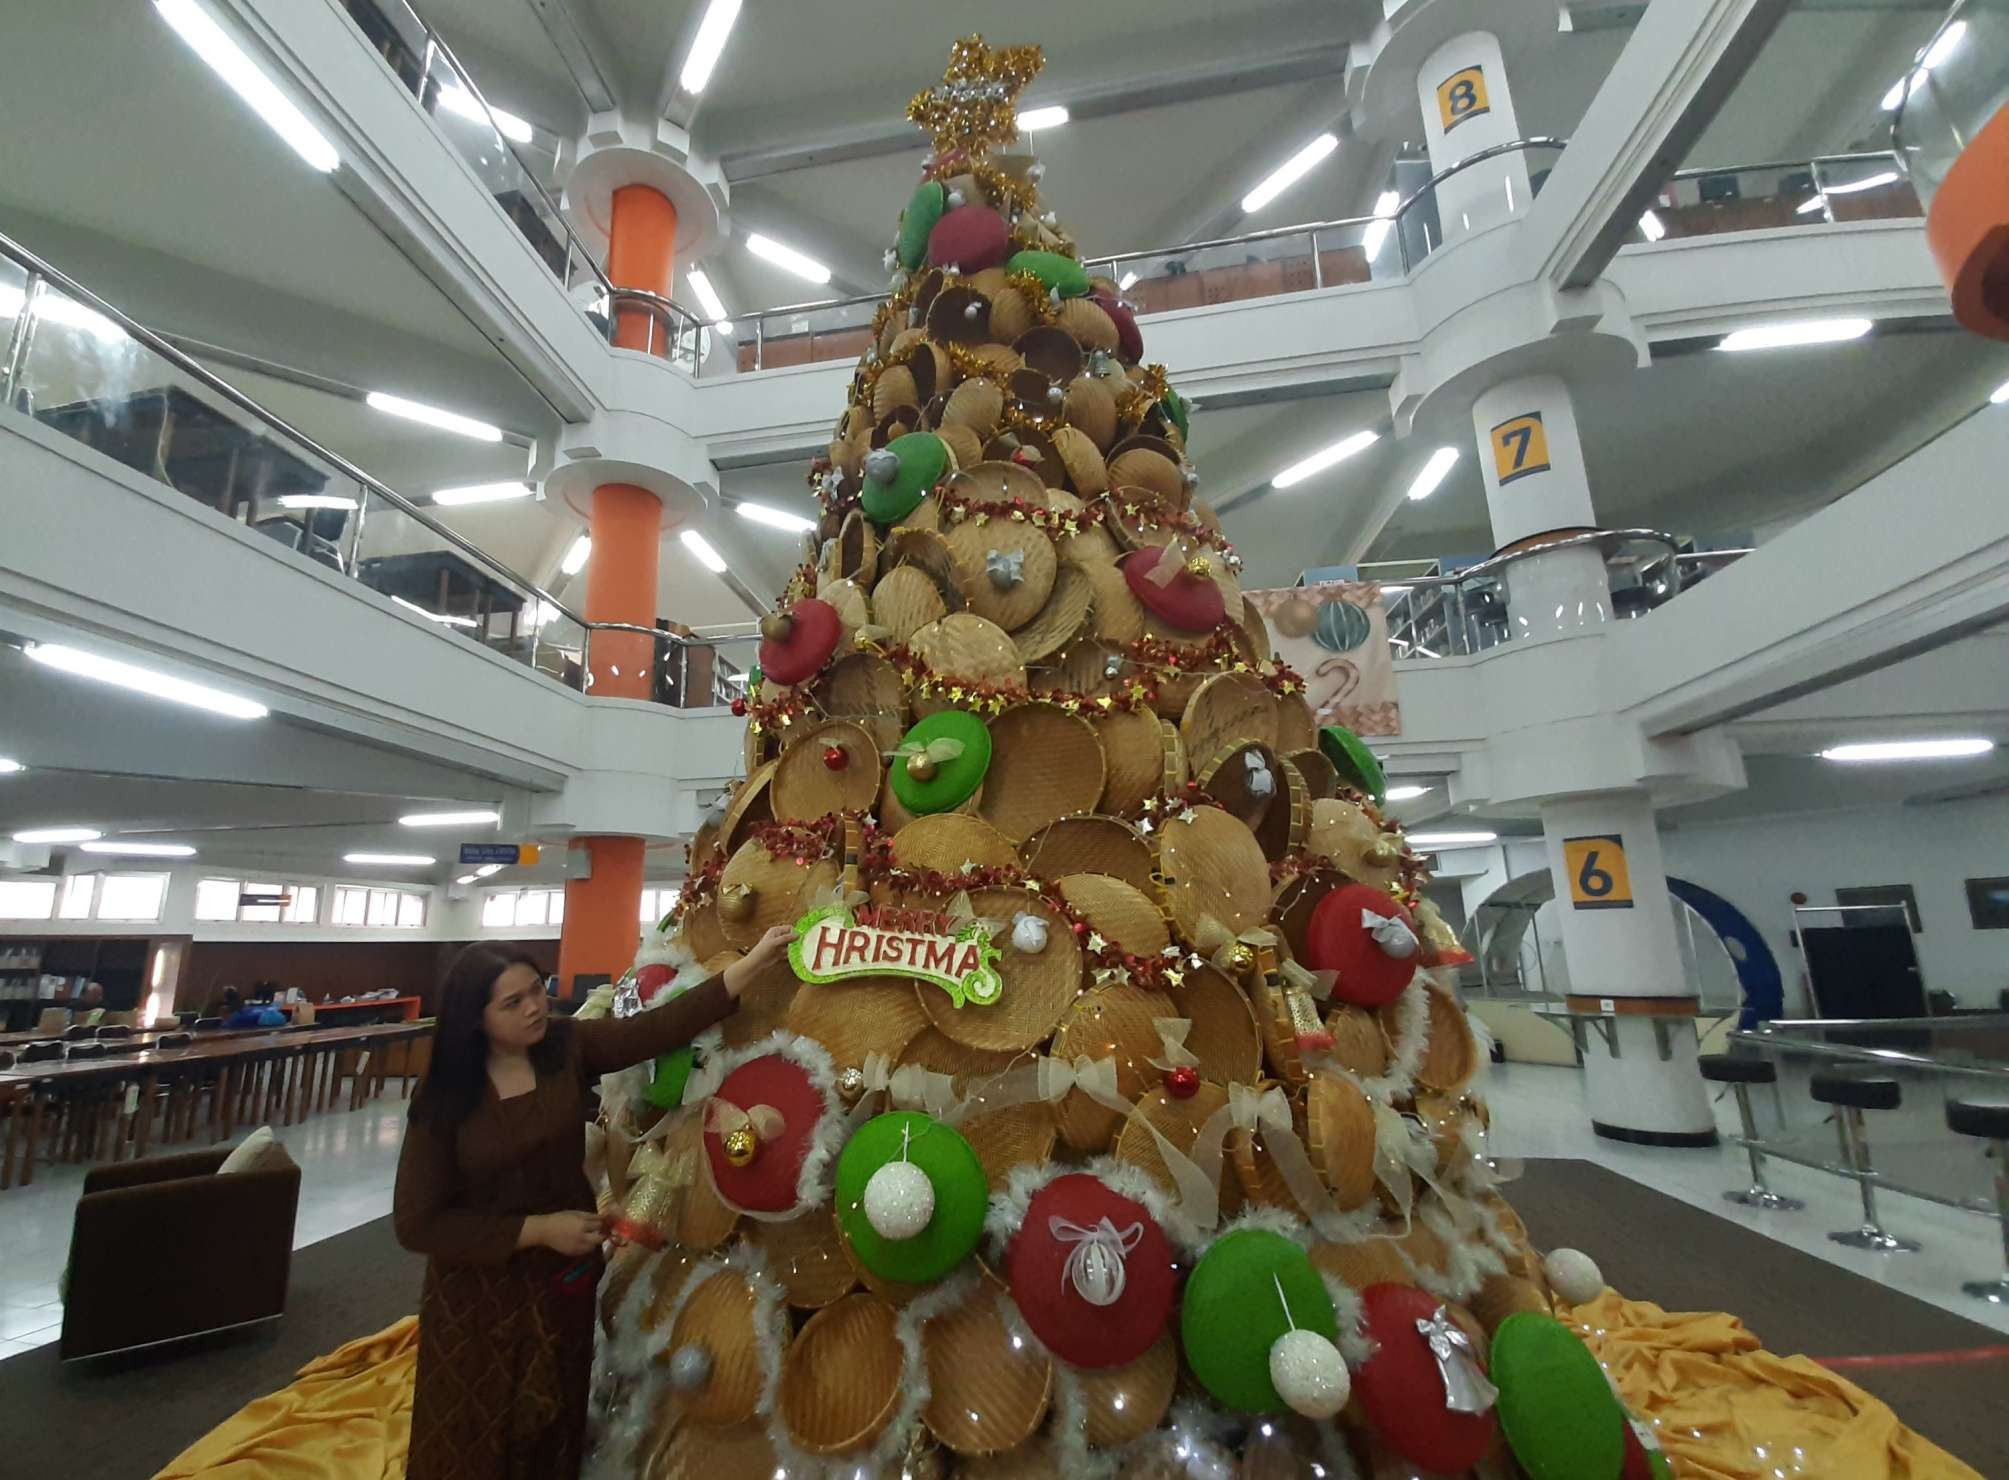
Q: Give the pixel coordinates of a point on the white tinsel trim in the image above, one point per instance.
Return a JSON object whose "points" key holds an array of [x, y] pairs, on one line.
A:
{"points": [[659, 949], [627, 1378], [1006, 1215], [1467, 1263], [1072, 1457], [1196, 1441], [1274, 1220], [1412, 1027], [1354, 1342]]}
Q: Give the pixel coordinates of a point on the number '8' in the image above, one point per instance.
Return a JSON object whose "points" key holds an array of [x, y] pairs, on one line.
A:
{"points": [[1463, 97]]}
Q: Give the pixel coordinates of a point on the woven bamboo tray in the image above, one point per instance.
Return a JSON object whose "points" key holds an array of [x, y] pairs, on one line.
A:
{"points": [[750, 804], [1090, 408], [1444, 1119], [1297, 897], [1007, 1139], [700, 1221], [1286, 827], [1321, 780], [855, 555], [1279, 1033], [1120, 1404], [1339, 1135], [840, 1379], [1091, 844], [934, 1050], [1450, 1057], [1119, 616], [1358, 1042], [1120, 911], [1177, 1120], [1256, 631], [974, 544], [719, 1318], [1064, 616], [701, 931], [1086, 473], [1039, 986], [907, 599], [1091, 545], [1223, 1036], [778, 889], [1256, 1170], [999, 482], [965, 647], [1045, 764], [805, 787], [1226, 777], [987, 1391], [945, 841], [866, 690], [1135, 749], [924, 550], [1343, 832], [1134, 465], [1228, 707], [1296, 728], [687, 1452], [1213, 868], [1109, 1022], [863, 1015], [1371, 1261], [804, 1257], [1503, 1295]]}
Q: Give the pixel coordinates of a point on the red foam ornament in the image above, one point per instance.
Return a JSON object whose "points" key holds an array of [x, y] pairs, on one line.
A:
{"points": [[1182, 1082], [1403, 1392], [1129, 338], [1188, 602], [836, 757], [1636, 1465], [738, 707], [969, 238], [814, 631], [1037, 1263], [1336, 940], [652, 978], [767, 1184]]}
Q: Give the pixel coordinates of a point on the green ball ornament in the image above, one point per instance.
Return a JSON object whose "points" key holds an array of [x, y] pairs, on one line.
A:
{"points": [[673, 1071], [924, 208], [1232, 1315], [1340, 627], [1060, 274], [1174, 406], [941, 783], [1558, 1411], [1355, 763], [873, 1172], [899, 475]]}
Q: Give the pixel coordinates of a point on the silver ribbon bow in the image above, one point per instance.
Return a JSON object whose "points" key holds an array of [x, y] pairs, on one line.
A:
{"points": [[1466, 1389], [1095, 1265], [1006, 568], [1397, 941], [1262, 782], [882, 465]]}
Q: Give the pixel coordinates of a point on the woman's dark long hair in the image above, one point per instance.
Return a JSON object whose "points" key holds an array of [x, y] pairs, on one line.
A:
{"points": [[458, 1073]]}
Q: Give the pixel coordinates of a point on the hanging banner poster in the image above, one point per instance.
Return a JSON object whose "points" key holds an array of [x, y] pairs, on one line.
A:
{"points": [[1335, 633]]}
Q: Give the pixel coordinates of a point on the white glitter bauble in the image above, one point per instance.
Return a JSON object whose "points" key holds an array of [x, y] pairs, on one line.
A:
{"points": [[1309, 1374], [1028, 932], [690, 1368], [899, 1200], [1574, 1276]]}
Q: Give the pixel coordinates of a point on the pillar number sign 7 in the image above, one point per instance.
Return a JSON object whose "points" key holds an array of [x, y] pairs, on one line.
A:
{"points": [[1520, 447], [1462, 96], [1599, 879]]}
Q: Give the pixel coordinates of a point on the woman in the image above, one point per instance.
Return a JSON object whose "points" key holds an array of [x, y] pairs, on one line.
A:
{"points": [[492, 1189]]}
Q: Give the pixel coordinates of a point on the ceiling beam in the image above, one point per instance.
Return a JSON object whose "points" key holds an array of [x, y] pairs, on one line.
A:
{"points": [[580, 48]]}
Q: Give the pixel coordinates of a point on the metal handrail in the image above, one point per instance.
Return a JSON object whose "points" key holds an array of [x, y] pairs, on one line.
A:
{"points": [[1612, 537], [1845, 157], [1904, 95]]}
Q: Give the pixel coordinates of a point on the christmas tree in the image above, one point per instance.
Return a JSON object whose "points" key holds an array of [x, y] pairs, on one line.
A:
{"points": [[1113, 1113]]}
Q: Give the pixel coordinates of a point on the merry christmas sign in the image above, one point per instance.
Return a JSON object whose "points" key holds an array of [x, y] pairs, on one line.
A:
{"points": [[834, 944], [1336, 635]]}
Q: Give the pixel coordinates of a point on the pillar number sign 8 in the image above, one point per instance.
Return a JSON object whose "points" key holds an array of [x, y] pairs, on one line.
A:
{"points": [[1460, 96], [1599, 879], [1520, 447]]}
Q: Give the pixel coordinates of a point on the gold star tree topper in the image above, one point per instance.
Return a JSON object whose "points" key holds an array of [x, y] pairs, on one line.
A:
{"points": [[975, 104]]}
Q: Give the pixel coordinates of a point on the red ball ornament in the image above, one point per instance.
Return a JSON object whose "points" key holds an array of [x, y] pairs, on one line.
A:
{"points": [[652, 978], [739, 709], [836, 757], [1337, 938], [1182, 1082]]}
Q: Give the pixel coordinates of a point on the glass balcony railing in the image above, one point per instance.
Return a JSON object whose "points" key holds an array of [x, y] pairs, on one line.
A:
{"points": [[1821, 191], [78, 366]]}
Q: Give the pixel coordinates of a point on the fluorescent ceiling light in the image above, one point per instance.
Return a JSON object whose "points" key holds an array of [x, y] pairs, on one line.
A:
{"points": [[1289, 173], [480, 493], [143, 680], [1452, 839], [466, 879], [141, 850], [1652, 227], [433, 416], [707, 45], [1810, 205], [391, 860], [1897, 93], [700, 547], [488, 871], [1868, 182], [777, 518], [478, 817], [1944, 47], [787, 258], [227, 60], [52, 307], [1785, 336], [58, 835], [1124, 283], [1034, 119], [2000, 394], [540, 614], [1907, 750], [1318, 462], [1376, 235], [1405, 793], [1434, 472], [709, 300], [432, 616], [576, 557], [9, 767], [316, 501], [459, 100]]}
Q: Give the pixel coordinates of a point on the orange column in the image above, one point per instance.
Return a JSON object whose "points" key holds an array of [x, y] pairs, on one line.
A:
{"points": [[603, 913]]}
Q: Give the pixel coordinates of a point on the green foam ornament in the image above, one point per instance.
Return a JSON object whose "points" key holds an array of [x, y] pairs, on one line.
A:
{"points": [[1061, 274], [1174, 406], [1231, 1315], [956, 777], [673, 1071], [924, 208], [918, 461], [1355, 763], [1558, 1411], [961, 1196]]}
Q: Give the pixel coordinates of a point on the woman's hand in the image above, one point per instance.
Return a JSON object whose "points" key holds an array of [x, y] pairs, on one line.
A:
{"points": [[771, 947], [572, 1234]]}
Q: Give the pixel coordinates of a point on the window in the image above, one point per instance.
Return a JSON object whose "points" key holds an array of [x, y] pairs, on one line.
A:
{"points": [[222, 899], [657, 903], [515, 909], [1900, 902], [378, 909], [132, 896], [78, 892], [27, 899]]}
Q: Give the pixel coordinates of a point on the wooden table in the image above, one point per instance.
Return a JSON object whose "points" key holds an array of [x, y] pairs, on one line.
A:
{"points": [[407, 1008]]}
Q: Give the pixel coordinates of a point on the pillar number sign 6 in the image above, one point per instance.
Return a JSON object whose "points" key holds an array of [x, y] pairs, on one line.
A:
{"points": [[1599, 879], [1462, 96], [1520, 447]]}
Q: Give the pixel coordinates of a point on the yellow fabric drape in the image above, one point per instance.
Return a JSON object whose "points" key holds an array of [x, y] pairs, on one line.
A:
{"points": [[1727, 1409], [346, 1416]]}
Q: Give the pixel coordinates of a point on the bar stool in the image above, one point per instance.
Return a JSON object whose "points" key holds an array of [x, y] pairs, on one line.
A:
{"points": [[1990, 1120], [1740, 1072], [1851, 1094]]}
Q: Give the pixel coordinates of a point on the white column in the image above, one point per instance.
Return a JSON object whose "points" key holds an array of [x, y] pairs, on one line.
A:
{"points": [[1618, 933], [1467, 108], [1532, 461]]}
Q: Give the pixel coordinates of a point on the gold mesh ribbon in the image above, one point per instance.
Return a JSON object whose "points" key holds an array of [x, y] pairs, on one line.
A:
{"points": [[1267, 1113]]}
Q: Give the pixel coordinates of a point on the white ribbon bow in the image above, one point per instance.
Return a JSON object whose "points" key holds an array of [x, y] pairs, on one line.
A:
{"points": [[1172, 1040], [944, 748], [1397, 941], [909, 1087], [1095, 1264]]}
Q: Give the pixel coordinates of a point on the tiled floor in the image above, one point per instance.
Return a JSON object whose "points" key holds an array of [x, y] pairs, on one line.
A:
{"points": [[348, 1160]]}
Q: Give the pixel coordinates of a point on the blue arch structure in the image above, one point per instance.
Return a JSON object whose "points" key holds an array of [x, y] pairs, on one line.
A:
{"points": [[1757, 968]]}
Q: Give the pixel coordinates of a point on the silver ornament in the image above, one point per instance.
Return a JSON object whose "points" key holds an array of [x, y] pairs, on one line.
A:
{"points": [[851, 1082], [690, 1368], [882, 465], [1028, 932]]}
